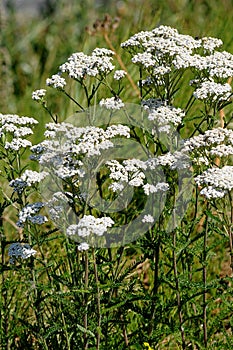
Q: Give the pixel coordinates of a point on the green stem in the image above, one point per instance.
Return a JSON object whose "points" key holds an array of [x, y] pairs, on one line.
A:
{"points": [[178, 296], [72, 99], [204, 274], [85, 300], [98, 301]]}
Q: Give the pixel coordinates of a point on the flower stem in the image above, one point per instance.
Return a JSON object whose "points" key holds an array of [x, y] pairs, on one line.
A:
{"points": [[178, 297], [85, 299], [204, 274], [98, 301]]}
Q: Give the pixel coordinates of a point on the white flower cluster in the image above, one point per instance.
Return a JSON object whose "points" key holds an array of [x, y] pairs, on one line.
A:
{"points": [[112, 103], [163, 40], [216, 142], [67, 145], [27, 179], [132, 172], [58, 204], [148, 218], [56, 81], [89, 225], [176, 160], [209, 43], [14, 128], [163, 115], [20, 250], [160, 50], [209, 90], [80, 65], [159, 187], [164, 50], [38, 95], [216, 181], [119, 74], [129, 172], [28, 214]]}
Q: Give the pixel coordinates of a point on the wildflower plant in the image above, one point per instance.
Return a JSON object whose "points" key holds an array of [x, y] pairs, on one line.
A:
{"points": [[138, 195]]}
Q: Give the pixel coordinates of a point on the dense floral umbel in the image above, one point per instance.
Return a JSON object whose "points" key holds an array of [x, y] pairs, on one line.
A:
{"points": [[28, 179], [67, 145], [28, 214], [89, 225], [20, 250], [14, 129], [211, 91], [163, 115], [217, 181], [213, 143], [38, 95], [80, 65], [112, 103]]}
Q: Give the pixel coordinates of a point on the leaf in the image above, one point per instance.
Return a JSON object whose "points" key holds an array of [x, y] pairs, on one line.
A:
{"points": [[84, 330]]}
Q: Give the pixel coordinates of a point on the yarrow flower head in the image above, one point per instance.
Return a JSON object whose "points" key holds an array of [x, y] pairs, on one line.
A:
{"points": [[28, 179], [20, 250], [15, 128], [88, 226], [119, 74], [38, 95], [209, 90], [162, 115], [27, 214], [56, 81], [216, 182], [80, 65], [112, 103]]}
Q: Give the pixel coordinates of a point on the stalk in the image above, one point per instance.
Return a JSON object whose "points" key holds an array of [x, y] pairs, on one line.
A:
{"points": [[98, 301], [178, 297], [85, 301], [204, 274]]}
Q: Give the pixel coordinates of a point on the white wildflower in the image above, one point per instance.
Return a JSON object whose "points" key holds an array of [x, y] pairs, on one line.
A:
{"points": [[89, 225], [28, 214], [209, 44], [20, 250], [56, 81], [119, 74], [39, 94], [98, 63], [83, 246], [17, 143], [159, 187], [148, 218], [27, 179], [209, 90], [113, 103], [218, 179]]}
